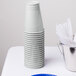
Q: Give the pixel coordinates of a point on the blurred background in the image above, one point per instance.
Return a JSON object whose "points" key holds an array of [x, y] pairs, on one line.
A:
{"points": [[12, 22]]}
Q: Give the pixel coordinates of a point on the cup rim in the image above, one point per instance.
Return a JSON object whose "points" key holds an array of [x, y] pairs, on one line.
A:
{"points": [[32, 3]]}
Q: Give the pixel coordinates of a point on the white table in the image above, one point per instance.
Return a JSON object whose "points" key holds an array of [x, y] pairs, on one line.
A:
{"points": [[54, 63]]}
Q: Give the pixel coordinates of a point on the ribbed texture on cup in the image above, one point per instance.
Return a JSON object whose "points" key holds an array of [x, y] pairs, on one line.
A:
{"points": [[34, 50]]}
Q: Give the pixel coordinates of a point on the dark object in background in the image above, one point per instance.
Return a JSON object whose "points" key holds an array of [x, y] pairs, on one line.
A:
{"points": [[72, 50]]}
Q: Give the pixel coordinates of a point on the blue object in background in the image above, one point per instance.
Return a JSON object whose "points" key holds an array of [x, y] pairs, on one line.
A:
{"points": [[44, 75]]}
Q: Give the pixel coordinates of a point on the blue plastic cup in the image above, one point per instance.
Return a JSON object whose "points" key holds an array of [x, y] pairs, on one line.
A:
{"points": [[44, 75]]}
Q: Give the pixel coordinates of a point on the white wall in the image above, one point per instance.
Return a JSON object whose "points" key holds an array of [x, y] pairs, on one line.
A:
{"points": [[12, 21]]}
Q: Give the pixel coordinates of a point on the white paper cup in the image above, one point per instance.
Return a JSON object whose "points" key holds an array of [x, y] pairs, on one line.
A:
{"points": [[34, 37], [33, 20]]}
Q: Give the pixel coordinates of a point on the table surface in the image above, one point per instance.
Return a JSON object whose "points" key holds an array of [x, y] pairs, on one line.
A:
{"points": [[54, 63]]}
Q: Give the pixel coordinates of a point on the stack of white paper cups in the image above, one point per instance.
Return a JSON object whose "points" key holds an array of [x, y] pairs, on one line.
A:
{"points": [[34, 37]]}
